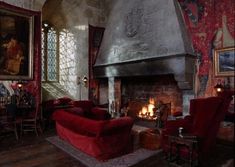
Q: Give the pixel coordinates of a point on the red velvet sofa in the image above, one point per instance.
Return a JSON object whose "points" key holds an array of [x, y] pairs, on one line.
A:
{"points": [[93, 133]]}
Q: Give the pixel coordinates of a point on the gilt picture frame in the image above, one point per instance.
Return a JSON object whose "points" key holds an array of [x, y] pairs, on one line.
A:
{"points": [[224, 60], [16, 44]]}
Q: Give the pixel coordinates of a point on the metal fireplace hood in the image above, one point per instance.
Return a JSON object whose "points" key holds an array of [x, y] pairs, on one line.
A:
{"points": [[146, 38]]}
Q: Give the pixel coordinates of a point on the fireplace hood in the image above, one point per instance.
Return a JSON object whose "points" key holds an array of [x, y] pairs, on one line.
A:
{"points": [[146, 38]]}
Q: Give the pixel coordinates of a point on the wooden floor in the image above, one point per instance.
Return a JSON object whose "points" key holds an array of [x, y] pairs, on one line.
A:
{"points": [[32, 151], [40, 154]]}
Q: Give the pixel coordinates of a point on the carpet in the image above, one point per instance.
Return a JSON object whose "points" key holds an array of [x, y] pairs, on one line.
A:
{"points": [[122, 161]]}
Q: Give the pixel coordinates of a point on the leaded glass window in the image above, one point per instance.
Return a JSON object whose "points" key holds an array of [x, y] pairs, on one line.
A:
{"points": [[67, 60], [43, 56], [49, 53], [59, 58]]}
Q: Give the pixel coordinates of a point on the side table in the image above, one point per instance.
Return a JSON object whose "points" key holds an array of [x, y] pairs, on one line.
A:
{"points": [[177, 142]]}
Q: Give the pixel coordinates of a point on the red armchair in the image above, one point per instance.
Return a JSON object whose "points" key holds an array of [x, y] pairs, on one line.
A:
{"points": [[202, 123]]}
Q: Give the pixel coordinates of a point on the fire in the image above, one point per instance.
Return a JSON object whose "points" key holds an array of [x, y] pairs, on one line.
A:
{"points": [[148, 110]]}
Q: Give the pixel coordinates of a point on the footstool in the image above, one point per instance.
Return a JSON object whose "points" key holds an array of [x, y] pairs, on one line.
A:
{"points": [[150, 139]]}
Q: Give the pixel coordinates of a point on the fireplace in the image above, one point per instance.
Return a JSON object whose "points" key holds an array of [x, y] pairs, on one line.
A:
{"points": [[146, 53], [143, 93], [162, 88]]}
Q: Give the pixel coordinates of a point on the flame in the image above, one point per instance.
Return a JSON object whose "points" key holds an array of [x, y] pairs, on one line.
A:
{"points": [[151, 101], [144, 110], [147, 111], [150, 109]]}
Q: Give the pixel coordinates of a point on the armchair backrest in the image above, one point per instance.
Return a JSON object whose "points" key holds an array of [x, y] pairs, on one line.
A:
{"points": [[204, 111], [207, 113], [214, 127]]}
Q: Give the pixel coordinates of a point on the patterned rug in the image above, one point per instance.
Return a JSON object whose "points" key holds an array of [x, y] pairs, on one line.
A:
{"points": [[123, 161]]}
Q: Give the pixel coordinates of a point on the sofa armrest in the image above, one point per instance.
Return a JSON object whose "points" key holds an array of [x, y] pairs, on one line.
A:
{"points": [[98, 113], [122, 124]]}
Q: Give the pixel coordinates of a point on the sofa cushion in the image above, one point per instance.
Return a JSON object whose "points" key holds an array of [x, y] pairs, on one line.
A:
{"points": [[62, 101], [86, 105], [75, 110], [99, 114], [113, 126]]}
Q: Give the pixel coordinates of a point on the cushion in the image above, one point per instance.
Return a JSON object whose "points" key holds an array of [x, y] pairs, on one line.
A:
{"points": [[86, 105], [99, 114], [75, 110], [62, 101]]}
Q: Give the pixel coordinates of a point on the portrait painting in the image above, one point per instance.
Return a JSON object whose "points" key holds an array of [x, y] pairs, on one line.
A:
{"points": [[16, 45], [224, 61]]}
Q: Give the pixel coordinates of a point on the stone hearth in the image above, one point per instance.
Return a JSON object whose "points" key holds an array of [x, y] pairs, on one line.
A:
{"points": [[161, 88]]}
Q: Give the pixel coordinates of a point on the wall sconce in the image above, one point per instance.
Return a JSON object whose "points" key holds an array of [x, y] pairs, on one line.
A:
{"points": [[20, 85], [85, 81], [80, 82], [219, 87]]}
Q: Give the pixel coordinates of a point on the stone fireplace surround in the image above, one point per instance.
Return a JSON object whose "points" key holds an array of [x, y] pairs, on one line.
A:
{"points": [[136, 90]]}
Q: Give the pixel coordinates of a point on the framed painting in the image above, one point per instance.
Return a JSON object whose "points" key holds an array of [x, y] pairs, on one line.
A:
{"points": [[224, 60], [16, 45]]}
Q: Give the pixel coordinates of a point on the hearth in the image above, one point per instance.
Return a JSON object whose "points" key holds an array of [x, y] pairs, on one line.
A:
{"points": [[146, 92], [140, 96]]}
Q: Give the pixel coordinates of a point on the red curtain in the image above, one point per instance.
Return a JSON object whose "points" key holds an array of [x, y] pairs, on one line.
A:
{"points": [[95, 38]]}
